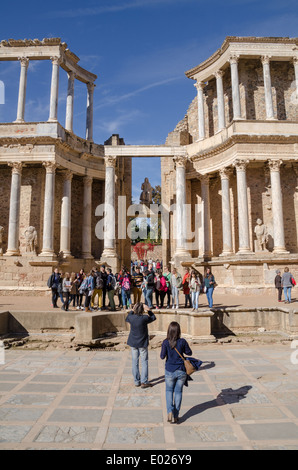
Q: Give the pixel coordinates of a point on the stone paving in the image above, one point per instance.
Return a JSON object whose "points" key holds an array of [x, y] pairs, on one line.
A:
{"points": [[244, 397]]}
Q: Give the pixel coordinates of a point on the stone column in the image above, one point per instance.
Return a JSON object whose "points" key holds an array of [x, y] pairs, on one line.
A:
{"points": [[243, 222], [87, 216], [201, 117], [220, 100], [89, 118], [109, 220], [69, 102], [65, 226], [267, 87], [48, 213], [235, 87], [14, 210], [181, 219], [56, 61], [24, 61], [227, 248], [277, 207], [205, 194]]}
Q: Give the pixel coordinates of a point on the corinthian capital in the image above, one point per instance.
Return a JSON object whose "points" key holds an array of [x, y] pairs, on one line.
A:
{"points": [[265, 59], [50, 167], [241, 165], [199, 85], [274, 165], [225, 173], [24, 61], [16, 167], [233, 59], [180, 161], [56, 60], [110, 161]]}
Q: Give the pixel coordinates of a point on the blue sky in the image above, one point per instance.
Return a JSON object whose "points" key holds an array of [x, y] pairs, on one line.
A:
{"points": [[139, 49]]}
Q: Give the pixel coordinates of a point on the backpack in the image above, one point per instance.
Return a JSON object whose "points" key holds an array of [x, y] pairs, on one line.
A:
{"points": [[126, 283], [49, 283], [98, 282], [113, 281], [84, 286]]}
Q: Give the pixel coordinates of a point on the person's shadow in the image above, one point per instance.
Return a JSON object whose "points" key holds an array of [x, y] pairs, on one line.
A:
{"points": [[226, 396]]}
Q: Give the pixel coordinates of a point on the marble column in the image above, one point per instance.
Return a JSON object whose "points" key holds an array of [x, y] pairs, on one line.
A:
{"points": [[69, 102], [227, 243], [48, 213], [110, 219], [24, 61], [14, 210], [235, 87], [89, 117], [87, 217], [267, 87], [243, 221], [65, 226], [220, 100], [181, 215], [205, 194], [277, 207], [201, 116], [56, 61]]}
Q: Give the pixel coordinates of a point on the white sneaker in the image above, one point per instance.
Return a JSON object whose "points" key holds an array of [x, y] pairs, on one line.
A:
{"points": [[177, 306], [173, 307], [78, 308]]}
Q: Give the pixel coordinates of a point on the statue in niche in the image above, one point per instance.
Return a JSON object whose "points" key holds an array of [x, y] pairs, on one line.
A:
{"points": [[261, 232], [1, 239], [146, 194], [31, 239]]}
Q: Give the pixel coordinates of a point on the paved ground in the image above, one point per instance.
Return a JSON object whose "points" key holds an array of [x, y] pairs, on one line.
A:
{"points": [[244, 397], [43, 303]]}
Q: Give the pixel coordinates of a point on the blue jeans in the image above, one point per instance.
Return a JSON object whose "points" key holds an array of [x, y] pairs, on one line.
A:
{"points": [[288, 292], [136, 353], [209, 294], [174, 385], [195, 299], [125, 297], [175, 296], [148, 293]]}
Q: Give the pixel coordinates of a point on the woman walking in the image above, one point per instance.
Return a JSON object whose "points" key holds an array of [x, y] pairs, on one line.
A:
{"points": [[175, 374], [277, 282]]}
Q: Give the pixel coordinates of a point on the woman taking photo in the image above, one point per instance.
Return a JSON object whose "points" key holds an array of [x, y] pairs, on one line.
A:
{"points": [[175, 375]]}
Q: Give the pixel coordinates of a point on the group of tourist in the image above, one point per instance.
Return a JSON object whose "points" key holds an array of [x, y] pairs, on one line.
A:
{"points": [[81, 290]]}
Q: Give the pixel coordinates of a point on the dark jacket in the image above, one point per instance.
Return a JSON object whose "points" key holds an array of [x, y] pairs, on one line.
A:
{"points": [[173, 360], [277, 281], [138, 336]]}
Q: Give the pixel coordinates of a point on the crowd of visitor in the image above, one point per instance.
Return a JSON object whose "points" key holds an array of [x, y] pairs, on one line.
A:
{"points": [[156, 286], [149, 282]]}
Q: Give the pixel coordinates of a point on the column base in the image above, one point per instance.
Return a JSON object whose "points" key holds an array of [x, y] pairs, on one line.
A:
{"points": [[65, 255], [280, 251], [245, 252], [226, 253], [87, 256], [19, 121], [47, 254], [13, 253], [110, 257]]}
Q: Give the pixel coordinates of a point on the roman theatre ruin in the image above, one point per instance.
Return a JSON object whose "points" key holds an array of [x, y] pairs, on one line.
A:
{"points": [[229, 169]]}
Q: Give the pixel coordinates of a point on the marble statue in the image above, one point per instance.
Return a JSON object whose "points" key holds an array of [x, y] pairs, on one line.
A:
{"points": [[31, 239], [146, 194], [262, 235]]}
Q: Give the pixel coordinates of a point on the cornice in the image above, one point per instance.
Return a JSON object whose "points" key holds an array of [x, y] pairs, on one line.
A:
{"points": [[244, 139], [238, 39]]}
